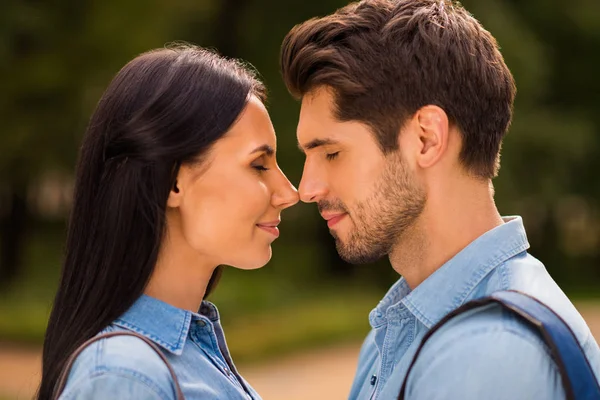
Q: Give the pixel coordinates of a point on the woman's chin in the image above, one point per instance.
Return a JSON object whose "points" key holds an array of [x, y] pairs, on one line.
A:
{"points": [[255, 261]]}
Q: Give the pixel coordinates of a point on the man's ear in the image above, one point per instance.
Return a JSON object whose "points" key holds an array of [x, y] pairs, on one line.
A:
{"points": [[432, 130]]}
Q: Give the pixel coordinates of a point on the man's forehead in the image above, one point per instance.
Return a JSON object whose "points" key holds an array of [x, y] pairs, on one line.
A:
{"points": [[315, 121], [318, 103], [315, 130]]}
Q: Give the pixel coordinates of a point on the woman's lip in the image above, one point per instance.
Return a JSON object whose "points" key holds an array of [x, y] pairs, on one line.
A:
{"points": [[272, 223], [332, 221], [273, 230]]}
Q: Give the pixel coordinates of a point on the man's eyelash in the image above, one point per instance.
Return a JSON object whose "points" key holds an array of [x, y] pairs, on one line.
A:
{"points": [[332, 156]]}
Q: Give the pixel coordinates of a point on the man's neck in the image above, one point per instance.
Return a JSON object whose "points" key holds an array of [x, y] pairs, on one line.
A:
{"points": [[448, 224]]}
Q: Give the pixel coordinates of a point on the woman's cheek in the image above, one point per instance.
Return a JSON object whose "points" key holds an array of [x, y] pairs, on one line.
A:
{"points": [[202, 225]]}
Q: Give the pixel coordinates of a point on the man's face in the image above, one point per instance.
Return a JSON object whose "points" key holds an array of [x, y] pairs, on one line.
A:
{"points": [[368, 199]]}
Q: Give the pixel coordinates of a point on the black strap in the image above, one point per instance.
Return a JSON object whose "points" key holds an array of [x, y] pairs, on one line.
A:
{"points": [[577, 376]]}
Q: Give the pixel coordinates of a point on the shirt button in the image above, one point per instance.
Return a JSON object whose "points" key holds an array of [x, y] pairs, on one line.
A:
{"points": [[201, 322], [373, 380]]}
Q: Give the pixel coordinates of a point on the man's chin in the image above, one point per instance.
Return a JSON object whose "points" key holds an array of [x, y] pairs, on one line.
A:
{"points": [[351, 255]]}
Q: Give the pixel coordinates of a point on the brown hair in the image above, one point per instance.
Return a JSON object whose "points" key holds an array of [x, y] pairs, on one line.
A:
{"points": [[385, 59]]}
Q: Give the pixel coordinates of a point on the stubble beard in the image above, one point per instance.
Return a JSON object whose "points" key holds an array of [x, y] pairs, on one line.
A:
{"points": [[381, 220]]}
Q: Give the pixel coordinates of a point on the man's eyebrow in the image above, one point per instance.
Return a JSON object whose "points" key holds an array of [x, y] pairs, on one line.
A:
{"points": [[264, 148], [316, 143]]}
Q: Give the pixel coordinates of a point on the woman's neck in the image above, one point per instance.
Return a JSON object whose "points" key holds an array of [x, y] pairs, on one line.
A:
{"points": [[180, 276]]}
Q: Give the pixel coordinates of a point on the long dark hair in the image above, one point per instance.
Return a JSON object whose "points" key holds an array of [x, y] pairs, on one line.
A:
{"points": [[165, 108]]}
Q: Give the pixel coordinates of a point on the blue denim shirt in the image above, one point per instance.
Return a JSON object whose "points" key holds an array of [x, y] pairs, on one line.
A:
{"points": [[124, 367], [483, 354]]}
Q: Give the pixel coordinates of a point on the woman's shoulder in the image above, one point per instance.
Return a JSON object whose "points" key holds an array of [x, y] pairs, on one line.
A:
{"points": [[118, 365]]}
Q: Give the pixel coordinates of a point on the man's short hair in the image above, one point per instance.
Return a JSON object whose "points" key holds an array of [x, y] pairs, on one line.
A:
{"points": [[385, 59]]}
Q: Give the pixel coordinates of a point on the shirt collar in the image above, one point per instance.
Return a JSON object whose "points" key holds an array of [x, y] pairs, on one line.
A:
{"points": [[164, 324], [451, 284]]}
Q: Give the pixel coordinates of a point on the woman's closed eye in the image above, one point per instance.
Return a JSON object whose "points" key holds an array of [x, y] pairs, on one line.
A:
{"points": [[260, 163], [260, 167]]}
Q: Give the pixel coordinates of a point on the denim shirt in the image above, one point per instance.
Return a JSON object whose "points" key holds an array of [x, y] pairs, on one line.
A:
{"points": [[124, 367], [484, 354]]}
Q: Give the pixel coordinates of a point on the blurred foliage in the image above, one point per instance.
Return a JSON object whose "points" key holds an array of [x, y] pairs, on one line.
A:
{"points": [[56, 57]]}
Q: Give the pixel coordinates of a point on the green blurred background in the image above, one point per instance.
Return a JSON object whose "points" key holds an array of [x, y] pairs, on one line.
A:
{"points": [[57, 56]]}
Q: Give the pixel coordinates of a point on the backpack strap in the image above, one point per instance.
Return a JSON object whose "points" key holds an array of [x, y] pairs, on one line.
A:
{"points": [[577, 376], [62, 380]]}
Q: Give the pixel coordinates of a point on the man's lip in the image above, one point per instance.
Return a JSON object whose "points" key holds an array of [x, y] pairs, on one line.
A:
{"points": [[333, 219], [328, 216]]}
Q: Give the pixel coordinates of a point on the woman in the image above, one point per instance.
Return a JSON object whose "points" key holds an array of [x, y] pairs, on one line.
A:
{"points": [[176, 176]]}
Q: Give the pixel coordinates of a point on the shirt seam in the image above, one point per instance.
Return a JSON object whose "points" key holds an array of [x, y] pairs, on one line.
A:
{"points": [[532, 338], [167, 346], [495, 263], [127, 373], [536, 343]]}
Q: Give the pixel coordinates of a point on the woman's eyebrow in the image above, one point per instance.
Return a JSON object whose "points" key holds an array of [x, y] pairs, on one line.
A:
{"points": [[268, 150]]}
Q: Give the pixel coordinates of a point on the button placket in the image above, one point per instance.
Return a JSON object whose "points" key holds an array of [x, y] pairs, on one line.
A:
{"points": [[203, 326], [219, 358], [217, 355], [201, 323]]}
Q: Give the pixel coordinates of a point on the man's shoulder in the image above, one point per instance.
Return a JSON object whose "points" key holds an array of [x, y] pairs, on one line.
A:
{"points": [[494, 347], [486, 323], [484, 353], [526, 274]]}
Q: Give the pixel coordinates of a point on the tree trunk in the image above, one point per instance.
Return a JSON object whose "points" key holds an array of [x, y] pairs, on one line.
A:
{"points": [[12, 234], [225, 35]]}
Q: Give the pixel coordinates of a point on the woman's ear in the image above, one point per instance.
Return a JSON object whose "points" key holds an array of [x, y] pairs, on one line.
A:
{"points": [[176, 193], [187, 174]]}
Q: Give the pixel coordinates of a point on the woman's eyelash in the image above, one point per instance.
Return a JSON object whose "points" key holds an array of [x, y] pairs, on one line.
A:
{"points": [[332, 156], [260, 168]]}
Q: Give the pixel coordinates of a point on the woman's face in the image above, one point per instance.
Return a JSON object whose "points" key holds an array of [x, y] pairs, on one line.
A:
{"points": [[227, 208]]}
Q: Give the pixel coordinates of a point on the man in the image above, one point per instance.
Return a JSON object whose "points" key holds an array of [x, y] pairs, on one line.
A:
{"points": [[404, 107]]}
